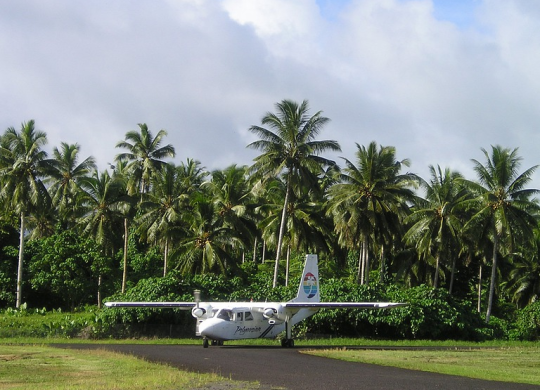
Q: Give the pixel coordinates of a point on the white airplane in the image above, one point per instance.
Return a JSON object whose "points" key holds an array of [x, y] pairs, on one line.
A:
{"points": [[221, 321]]}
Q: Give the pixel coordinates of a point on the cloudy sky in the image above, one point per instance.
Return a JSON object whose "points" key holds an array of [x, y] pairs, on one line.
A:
{"points": [[437, 79]]}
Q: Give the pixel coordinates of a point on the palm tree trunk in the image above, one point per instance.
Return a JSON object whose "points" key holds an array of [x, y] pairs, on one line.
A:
{"points": [[20, 265], [255, 250], [480, 289], [360, 274], [366, 261], [264, 252], [288, 263], [437, 268], [99, 292], [281, 232], [165, 256], [382, 267], [493, 277], [124, 274]]}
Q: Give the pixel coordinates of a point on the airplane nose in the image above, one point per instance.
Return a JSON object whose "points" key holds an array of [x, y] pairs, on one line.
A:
{"points": [[209, 328]]}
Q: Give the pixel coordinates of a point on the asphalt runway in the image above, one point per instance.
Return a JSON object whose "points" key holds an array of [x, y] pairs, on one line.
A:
{"points": [[287, 368]]}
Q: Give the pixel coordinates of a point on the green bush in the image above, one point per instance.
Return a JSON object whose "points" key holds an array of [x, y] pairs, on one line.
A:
{"points": [[431, 313], [55, 323], [527, 324]]}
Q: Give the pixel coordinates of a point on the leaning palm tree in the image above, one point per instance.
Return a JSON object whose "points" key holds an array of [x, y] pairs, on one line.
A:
{"points": [[369, 200], [144, 154], [436, 223], [503, 206], [289, 146], [22, 166]]}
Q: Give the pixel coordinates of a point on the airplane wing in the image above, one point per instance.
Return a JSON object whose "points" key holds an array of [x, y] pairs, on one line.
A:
{"points": [[344, 305], [178, 305]]}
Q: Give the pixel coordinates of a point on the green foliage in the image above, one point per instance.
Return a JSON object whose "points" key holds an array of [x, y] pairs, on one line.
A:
{"points": [[527, 324], [64, 270], [8, 262], [431, 313], [26, 322]]}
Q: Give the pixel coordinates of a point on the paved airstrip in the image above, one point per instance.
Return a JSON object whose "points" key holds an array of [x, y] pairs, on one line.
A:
{"points": [[284, 368]]}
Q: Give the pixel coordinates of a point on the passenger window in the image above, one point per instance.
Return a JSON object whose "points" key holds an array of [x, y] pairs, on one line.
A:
{"points": [[249, 316]]}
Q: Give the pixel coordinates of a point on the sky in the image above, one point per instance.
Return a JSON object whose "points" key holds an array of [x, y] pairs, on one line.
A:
{"points": [[437, 79]]}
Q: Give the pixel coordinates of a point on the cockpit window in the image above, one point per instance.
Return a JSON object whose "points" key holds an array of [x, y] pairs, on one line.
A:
{"points": [[248, 316], [224, 314]]}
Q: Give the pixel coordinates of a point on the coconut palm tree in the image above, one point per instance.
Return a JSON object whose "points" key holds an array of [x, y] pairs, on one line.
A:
{"points": [[103, 197], [161, 212], [64, 176], [365, 203], [207, 241], [232, 196], [127, 208], [144, 154], [290, 148], [437, 221], [503, 207], [22, 167]]}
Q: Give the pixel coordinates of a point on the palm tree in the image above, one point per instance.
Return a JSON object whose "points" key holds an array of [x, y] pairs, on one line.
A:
{"points": [[102, 220], [290, 148], [64, 177], [127, 209], [208, 241], [368, 199], [502, 207], [144, 155], [162, 210], [232, 196], [524, 279], [437, 222], [306, 227], [22, 166]]}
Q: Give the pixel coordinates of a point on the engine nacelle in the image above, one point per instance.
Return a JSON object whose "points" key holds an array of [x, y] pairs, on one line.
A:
{"points": [[202, 311], [274, 315]]}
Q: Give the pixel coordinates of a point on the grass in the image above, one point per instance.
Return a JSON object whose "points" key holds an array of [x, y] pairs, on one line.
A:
{"points": [[518, 364], [43, 367], [508, 361]]}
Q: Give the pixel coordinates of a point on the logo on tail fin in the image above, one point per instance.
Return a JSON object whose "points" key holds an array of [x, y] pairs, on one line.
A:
{"points": [[310, 285]]}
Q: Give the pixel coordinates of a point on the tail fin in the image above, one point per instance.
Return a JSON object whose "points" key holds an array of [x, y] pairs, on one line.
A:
{"points": [[308, 291]]}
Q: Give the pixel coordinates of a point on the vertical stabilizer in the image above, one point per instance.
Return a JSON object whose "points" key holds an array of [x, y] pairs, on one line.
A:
{"points": [[309, 291]]}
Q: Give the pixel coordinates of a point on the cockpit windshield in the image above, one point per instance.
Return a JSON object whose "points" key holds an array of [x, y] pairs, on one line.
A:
{"points": [[224, 314]]}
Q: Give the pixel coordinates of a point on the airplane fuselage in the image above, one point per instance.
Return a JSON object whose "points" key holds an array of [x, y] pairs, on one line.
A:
{"points": [[245, 321]]}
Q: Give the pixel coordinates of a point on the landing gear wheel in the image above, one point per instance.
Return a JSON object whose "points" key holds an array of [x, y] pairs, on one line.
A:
{"points": [[287, 343], [205, 343]]}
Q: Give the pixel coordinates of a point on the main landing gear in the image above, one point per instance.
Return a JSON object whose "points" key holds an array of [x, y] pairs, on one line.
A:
{"points": [[287, 343], [206, 343]]}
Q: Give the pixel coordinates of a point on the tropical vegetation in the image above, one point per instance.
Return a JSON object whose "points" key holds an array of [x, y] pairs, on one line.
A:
{"points": [[147, 227]]}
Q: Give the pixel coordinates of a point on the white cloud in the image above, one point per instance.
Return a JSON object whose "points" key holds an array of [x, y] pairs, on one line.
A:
{"points": [[399, 72]]}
